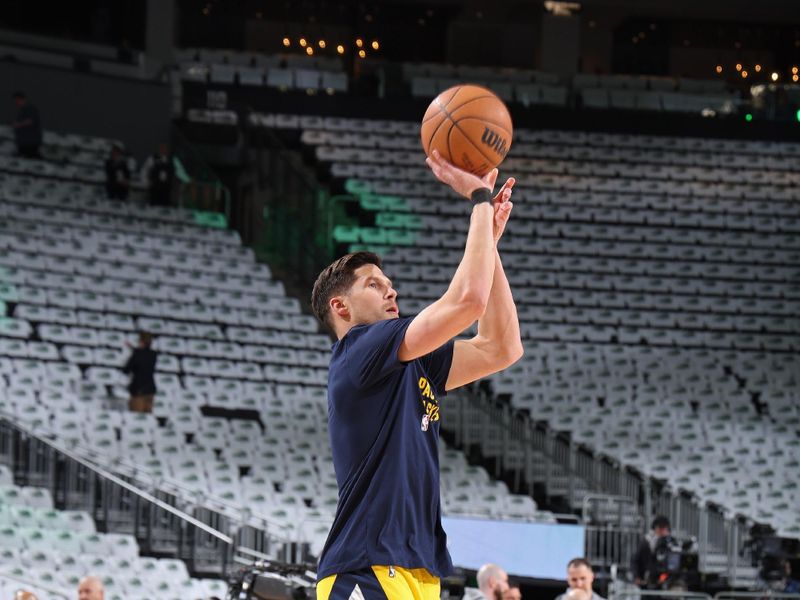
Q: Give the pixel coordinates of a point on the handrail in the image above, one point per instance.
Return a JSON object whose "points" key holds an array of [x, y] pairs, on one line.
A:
{"points": [[117, 481], [133, 468], [732, 595], [287, 156], [639, 594]]}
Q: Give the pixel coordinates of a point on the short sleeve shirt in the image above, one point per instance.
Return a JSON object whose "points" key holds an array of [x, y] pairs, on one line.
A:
{"points": [[383, 419]]}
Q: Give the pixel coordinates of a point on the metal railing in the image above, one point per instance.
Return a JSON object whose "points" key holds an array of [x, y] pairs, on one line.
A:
{"points": [[287, 210], [765, 595], [657, 594], [205, 190], [158, 525], [533, 453]]}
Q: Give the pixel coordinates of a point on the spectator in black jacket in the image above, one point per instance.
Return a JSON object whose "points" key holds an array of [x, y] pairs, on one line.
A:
{"points": [[27, 127], [118, 176], [159, 171], [141, 367], [643, 564]]}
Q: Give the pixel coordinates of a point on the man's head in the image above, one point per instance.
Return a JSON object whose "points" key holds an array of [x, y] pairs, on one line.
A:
{"points": [[353, 291], [492, 581], [145, 339], [660, 526], [513, 592], [90, 588], [580, 575], [19, 98]]}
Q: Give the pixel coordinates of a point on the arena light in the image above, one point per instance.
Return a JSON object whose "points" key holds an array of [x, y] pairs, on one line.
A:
{"points": [[310, 51], [322, 44], [758, 68], [359, 42], [744, 74], [797, 115], [561, 9], [774, 76], [794, 70], [303, 42], [340, 49], [375, 45], [748, 117], [286, 42], [362, 54], [795, 78], [719, 69], [739, 66]]}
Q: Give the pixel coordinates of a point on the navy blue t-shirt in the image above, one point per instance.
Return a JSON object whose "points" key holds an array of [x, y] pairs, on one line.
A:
{"points": [[383, 419]]}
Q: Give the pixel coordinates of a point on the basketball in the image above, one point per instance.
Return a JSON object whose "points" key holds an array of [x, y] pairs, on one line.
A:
{"points": [[469, 126]]}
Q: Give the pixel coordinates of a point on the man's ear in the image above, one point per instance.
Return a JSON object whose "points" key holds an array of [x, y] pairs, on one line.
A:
{"points": [[339, 306]]}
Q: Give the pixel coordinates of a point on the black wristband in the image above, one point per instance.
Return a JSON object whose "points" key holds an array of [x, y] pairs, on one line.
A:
{"points": [[481, 195]]}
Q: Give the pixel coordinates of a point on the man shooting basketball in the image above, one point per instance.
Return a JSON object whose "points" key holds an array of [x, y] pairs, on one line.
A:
{"points": [[387, 374]]}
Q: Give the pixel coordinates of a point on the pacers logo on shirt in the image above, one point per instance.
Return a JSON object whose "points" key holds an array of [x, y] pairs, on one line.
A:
{"points": [[429, 404]]}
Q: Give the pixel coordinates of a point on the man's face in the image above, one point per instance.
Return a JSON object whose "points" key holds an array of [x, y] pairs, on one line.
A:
{"points": [[19, 102], [89, 590], [580, 577], [499, 584], [662, 531], [371, 298], [512, 593]]}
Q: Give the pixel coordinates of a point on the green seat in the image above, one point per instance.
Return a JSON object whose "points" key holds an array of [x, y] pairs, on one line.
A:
{"points": [[371, 202], [373, 235], [356, 187], [345, 234], [210, 219], [400, 237]]}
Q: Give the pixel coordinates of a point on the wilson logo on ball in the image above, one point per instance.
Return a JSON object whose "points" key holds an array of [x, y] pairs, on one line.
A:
{"points": [[492, 139]]}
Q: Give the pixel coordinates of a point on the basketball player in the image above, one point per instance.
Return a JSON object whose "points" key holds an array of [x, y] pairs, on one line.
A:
{"points": [[387, 375]]}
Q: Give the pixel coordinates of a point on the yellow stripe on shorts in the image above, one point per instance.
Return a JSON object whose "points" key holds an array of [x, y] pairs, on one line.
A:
{"points": [[406, 584], [325, 586]]}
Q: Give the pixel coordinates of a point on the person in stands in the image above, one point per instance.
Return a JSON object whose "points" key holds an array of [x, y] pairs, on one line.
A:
{"points": [[141, 367], [118, 175], [159, 173], [90, 588], [27, 127]]}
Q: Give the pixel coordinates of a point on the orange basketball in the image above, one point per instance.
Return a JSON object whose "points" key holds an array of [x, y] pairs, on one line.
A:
{"points": [[469, 126]]}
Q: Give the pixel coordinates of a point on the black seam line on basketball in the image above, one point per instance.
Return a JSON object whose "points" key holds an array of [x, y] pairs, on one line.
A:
{"points": [[450, 117], [482, 120], [438, 104], [460, 106], [430, 141]]}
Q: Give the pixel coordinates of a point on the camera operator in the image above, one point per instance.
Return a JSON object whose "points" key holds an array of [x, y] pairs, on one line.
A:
{"points": [[647, 563]]}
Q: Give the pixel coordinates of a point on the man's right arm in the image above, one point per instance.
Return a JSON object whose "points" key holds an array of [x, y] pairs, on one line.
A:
{"points": [[466, 298]]}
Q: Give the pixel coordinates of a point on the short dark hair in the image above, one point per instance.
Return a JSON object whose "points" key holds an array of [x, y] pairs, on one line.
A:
{"points": [[145, 338], [660, 522], [580, 562], [336, 279]]}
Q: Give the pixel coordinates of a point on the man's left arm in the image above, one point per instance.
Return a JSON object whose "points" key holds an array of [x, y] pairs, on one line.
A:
{"points": [[497, 345]]}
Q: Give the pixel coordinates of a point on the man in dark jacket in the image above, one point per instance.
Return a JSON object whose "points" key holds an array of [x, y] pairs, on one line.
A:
{"points": [[643, 563], [118, 175], [27, 127], [141, 366], [159, 170]]}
